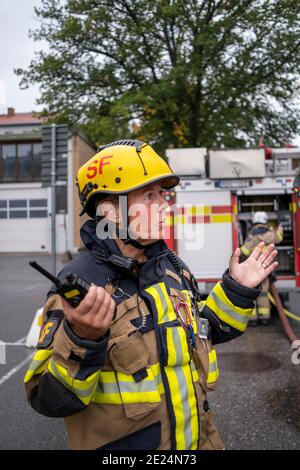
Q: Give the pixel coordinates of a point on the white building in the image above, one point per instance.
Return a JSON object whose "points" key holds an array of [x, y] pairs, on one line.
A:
{"points": [[25, 205]]}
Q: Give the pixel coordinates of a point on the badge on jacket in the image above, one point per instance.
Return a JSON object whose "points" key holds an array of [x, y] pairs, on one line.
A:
{"points": [[203, 328], [47, 334]]}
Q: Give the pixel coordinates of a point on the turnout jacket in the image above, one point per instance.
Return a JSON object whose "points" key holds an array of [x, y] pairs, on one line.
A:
{"points": [[144, 384]]}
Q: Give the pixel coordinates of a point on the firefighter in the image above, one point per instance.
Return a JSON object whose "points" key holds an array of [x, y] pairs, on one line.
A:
{"points": [[261, 231], [130, 367]]}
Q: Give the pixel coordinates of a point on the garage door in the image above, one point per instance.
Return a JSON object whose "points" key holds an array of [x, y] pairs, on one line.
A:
{"points": [[24, 224]]}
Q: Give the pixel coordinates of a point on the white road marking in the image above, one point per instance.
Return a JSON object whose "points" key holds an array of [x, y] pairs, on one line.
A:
{"points": [[19, 342], [16, 369]]}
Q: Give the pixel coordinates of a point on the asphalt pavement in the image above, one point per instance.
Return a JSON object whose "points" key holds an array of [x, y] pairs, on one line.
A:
{"points": [[257, 402]]}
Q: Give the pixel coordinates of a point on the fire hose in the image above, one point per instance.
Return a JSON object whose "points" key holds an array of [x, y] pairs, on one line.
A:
{"points": [[283, 314]]}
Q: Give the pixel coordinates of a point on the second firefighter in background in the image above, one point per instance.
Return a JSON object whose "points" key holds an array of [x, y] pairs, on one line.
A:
{"points": [[261, 231]]}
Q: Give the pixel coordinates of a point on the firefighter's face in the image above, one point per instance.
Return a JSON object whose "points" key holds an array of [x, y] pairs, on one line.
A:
{"points": [[147, 211]]}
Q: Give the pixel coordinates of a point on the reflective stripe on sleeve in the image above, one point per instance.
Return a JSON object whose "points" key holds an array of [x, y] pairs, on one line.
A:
{"points": [[38, 364], [83, 389], [219, 303], [213, 371]]}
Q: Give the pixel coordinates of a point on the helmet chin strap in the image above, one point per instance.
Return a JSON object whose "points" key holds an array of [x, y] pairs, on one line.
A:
{"points": [[127, 240], [135, 243]]}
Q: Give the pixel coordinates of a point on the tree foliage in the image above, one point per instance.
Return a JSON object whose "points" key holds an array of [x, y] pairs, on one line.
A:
{"points": [[173, 72]]}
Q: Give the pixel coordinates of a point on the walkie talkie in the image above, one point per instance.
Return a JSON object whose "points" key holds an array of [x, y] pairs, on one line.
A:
{"points": [[72, 288]]}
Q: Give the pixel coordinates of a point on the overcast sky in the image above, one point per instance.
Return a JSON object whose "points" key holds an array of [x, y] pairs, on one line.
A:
{"points": [[17, 50]]}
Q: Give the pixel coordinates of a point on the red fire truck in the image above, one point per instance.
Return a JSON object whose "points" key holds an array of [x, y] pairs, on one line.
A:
{"points": [[218, 193]]}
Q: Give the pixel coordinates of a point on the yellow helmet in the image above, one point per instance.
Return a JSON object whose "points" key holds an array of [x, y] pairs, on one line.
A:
{"points": [[120, 167]]}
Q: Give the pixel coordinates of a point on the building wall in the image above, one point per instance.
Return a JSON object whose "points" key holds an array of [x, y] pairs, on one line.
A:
{"points": [[30, 232], [81, 152], [33, 233]]}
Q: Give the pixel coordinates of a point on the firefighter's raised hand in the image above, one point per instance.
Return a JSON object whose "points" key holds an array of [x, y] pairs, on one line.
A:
{"points": [[256, 268], [92, 317]]}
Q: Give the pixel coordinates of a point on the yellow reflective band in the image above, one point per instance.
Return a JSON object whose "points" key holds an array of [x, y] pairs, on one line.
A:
{"points": [[279, 234], [181, 391], [84, 390], [263, 311], [201, 305], [163, 303], [219, 303], [137, 392], [71, 293], [184, 405], [38, 364], [213, 371], [118, 388], [177, 346], [245, 250], [212, 377], [194, 371]]}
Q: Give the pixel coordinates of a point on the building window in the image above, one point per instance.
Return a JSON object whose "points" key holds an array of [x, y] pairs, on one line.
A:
{"points": [[25, 161], [61, 199], [38, 208], [38, 214], [23, 208], [3, 209], [20, 161], [18, 214], [37, 160], [9, 156], [17, 203], [37, 202]]}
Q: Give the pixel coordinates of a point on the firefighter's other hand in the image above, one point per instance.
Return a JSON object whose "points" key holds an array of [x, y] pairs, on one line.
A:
{"points": [[256, 268], [92, 317]]}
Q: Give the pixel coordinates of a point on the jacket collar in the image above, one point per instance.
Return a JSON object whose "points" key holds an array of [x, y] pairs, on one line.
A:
{"points": [[92, 242]]}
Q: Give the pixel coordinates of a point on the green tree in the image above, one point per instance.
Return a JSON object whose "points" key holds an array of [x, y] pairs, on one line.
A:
{"points": [[173, 72]]}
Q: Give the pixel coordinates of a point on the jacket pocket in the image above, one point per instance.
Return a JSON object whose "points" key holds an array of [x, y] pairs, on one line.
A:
{"points": [[127, 311], [137, 380], [129, 354], [148, 438]]}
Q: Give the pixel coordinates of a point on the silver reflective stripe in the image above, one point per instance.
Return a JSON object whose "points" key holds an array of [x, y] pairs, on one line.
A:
{"points": [[34, 365], [177, 344], [163, 302], [133, 387], [78, 392], [183, 387], [107, 388], [127, 387], [213, 367], [225, 308], [158, 379]]}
